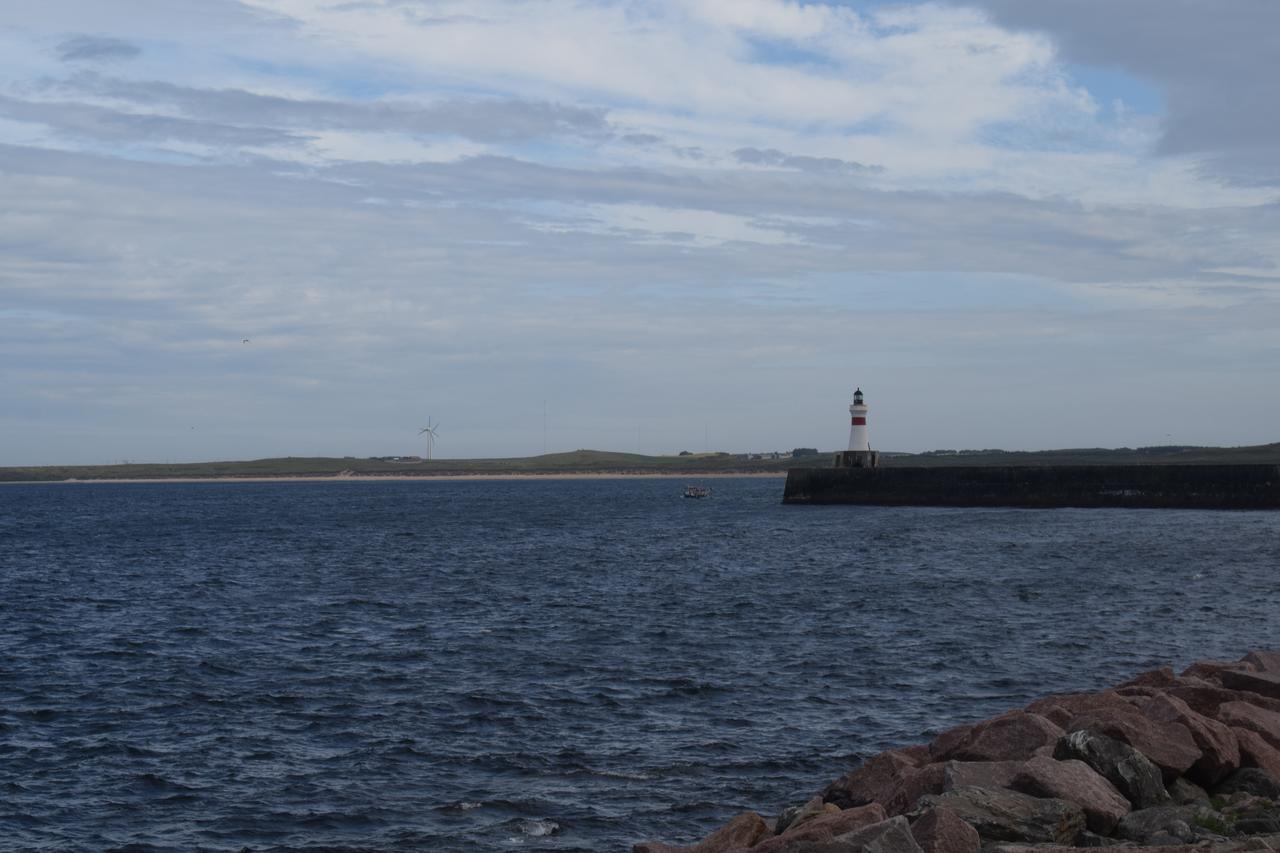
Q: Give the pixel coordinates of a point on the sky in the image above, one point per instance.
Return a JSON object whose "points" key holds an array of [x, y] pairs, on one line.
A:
{"points": [[237, 229]]}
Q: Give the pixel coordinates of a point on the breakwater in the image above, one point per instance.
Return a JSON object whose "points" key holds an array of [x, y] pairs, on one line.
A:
{"points": [[1184, 762], [1136, 486]]}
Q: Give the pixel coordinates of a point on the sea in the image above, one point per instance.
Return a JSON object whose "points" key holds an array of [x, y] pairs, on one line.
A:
{"points": [[566, 665]]}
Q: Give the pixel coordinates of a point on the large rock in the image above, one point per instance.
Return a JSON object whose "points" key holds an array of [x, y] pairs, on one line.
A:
{"points": [[1062, 708], [1211, 670], [917, 753], [912, 785], [1074, 781], [743, 831], [1204, 699], [1056, 714], [1162, 677], [1014, 736], [1242, 715], [1220, 752], [889, 836], [873, 782], [1264, 661], [979, 774], [1263, 683], [1133, 774], [1250, 780], [1258, 824], [1256, 752], [1207, 700], [1169, 745], [800, 815], [947, 742], [1184, 792], [1176, 821], [1000, 815], [1238, 845], [940, 830], [823, 828]]}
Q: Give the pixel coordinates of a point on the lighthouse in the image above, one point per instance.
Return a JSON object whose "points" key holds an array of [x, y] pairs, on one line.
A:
{"points": [[858, 441], [859, 454]]}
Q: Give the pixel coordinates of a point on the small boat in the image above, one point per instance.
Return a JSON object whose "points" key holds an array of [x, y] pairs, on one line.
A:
{"points": [[697, 491]]}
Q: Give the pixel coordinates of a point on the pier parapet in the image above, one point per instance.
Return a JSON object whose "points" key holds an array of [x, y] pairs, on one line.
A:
{"points": [[1155, 486]]}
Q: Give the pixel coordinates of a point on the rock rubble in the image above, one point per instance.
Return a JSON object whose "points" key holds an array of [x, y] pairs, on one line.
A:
{"points": [[1186, 762]]}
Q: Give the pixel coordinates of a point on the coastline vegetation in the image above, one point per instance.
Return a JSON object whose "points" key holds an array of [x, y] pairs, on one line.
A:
{"points": [[607, 462]]}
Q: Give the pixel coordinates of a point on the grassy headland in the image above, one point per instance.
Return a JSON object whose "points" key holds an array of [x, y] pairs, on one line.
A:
{"points": [[605, 462]]}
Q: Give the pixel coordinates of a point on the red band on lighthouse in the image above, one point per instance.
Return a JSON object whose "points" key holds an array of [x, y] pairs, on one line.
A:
{"points": [[859, 421]]}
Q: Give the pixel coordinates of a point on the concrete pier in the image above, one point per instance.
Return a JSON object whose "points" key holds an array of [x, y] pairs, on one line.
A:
{"points": [[1158, 486]]}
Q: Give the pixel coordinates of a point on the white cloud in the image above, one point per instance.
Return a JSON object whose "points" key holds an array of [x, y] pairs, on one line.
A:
{"points": [[902, 69], [477, 202], [782, 20]]}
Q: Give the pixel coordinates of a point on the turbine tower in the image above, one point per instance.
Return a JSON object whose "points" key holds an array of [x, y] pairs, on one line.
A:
{"points": [[430, 432]]}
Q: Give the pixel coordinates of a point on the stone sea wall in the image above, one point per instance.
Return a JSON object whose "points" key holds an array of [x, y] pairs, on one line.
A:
{"points": [[1184, 762], [1160, 486]]}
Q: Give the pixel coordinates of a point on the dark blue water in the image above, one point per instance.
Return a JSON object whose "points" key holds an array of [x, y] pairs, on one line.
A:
{"points": [[568, 665]]}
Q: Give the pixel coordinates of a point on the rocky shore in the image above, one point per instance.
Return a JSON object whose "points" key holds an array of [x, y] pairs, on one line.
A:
{"points": [[1183, 762]]}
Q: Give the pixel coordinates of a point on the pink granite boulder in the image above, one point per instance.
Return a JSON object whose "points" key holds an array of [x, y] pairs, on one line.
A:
{"points": [[1206, 700], [1220, 753], [1242, 715], [1264, 661], [743, 831], [1211, 670], [1001, 815], [913, 784], [1162, 677], [918, 753], [940, 830], [1014, 736], [1131, 772], [1056, 714], [1263, 683], [1256, 752], [873, 782], [1076, 782], [803, 814], [942, 746], [979, 774], [824, 828], [887, 836], [1169, 745], [1078, 703]]}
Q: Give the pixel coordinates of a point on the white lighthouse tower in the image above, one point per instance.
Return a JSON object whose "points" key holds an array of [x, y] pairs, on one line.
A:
{"points": [[859, 454], [858, 441]]}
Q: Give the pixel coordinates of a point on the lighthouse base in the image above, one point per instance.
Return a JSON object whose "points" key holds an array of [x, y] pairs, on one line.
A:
{"points": [[1160, 486], [857, 459]]}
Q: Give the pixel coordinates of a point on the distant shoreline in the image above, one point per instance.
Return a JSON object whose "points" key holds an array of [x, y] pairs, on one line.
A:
{"points": [[400, 478], [581, 464]]}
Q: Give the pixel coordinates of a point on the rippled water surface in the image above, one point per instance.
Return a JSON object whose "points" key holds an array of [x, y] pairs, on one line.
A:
{"points": [[564, 665]]}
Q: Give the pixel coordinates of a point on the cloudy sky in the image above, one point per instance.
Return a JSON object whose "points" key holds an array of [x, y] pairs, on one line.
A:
{"points": [[667, 225]]}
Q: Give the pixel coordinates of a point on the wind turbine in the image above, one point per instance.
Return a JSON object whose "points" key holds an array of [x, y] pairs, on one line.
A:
{"points": [[430, 432]]}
